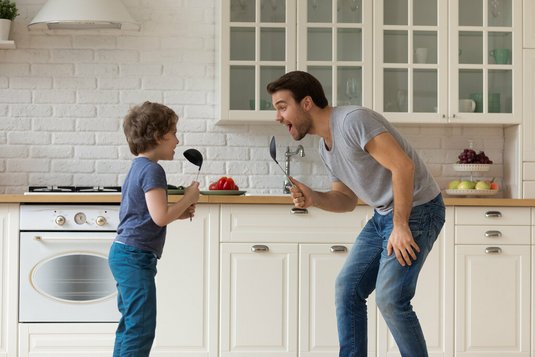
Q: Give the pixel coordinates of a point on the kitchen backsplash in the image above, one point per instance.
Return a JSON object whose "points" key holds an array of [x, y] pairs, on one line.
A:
{"points": [[63, 95]]}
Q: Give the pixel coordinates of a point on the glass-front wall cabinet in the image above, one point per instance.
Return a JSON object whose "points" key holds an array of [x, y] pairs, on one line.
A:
{"points": [[448, 61], [261, 40]]}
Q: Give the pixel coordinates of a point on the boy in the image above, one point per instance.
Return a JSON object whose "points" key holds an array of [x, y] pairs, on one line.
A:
{"points": [[150, 131]]}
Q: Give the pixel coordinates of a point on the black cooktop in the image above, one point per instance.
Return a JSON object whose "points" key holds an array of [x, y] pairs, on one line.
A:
{"points": [[74, 189]]}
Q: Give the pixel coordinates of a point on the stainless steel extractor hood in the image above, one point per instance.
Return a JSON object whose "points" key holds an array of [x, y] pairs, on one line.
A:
{"points": [[83, 15]]}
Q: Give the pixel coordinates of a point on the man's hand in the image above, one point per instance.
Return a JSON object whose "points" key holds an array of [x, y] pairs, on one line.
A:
{"points": [[403, 245], [301, 194]]}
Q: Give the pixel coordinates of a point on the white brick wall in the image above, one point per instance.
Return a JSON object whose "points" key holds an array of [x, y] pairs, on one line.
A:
{"points": [[63, 94]]}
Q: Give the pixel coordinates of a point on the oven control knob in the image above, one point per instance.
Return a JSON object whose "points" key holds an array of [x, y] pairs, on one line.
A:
{"points": [[101, 221], [60, 220]]}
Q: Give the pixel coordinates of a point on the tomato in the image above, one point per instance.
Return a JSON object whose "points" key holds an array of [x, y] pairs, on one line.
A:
{"points": [[213, 186], [493, 186], [229, 184], [221, 183]]}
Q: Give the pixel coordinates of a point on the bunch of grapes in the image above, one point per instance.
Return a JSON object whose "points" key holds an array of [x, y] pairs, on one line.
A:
{"points": [[469, 156]]}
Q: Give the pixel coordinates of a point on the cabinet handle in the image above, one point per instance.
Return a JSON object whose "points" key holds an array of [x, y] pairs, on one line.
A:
{"points": [[296, 210], [338, 249], [259, 248], [493, 234], [493, 250], [493, 214], [454, 116]]}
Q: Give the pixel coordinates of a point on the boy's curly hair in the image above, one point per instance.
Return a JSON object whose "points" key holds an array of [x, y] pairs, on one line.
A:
{"points": [[146, 124]]}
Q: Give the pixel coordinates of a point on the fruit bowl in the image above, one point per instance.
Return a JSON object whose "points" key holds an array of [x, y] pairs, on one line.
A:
{"points": [[471, 167], [474, 192]]}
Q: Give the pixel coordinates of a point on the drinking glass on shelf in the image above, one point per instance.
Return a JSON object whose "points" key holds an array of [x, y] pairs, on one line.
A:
{"points": [[352, 89]]}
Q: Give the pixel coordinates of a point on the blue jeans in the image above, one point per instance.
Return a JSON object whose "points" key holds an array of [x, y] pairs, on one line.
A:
{"points": [[134, 271], [368, 267]]}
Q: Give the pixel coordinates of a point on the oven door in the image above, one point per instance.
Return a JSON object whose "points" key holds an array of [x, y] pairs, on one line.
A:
{"points": [[65, 277]]}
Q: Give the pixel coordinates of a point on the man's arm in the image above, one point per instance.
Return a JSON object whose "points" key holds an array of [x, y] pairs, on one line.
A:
{"points": [[386, 150], [339, 199]]}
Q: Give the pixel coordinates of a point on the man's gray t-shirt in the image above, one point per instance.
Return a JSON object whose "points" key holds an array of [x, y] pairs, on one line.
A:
{"points": [[136, 227], [347, 161]]}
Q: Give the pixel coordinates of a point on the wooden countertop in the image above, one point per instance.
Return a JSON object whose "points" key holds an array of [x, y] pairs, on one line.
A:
{"points": [[100, 198]]}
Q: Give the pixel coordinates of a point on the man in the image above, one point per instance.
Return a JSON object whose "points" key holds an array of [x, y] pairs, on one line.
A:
{"points": [[366, 156]]}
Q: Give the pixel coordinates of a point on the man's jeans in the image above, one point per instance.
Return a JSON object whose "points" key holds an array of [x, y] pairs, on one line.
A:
{"points": [[134, 271], [369, 267]]}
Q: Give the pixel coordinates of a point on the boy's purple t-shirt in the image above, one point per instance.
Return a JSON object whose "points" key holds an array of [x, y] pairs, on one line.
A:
{"points": [[136, 227]]}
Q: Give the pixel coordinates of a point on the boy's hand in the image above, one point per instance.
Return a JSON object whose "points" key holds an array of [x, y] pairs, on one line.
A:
{"points": [[189, 212], [192, 192]]}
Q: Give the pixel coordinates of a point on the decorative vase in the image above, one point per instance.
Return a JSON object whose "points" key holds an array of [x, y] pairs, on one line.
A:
{"points": [[5, 25]]}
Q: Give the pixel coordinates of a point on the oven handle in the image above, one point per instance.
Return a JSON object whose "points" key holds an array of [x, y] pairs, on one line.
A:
{"points": [[66, 238]]}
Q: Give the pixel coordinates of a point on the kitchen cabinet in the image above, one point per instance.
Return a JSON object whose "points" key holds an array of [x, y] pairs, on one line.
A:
{"points": [[448, 61], [492, 281], [263, 39], [528, 130], [529, 26], [9, 252], [187, 287], [433, 301]]}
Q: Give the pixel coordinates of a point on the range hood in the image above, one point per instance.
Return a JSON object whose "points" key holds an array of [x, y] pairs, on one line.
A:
{"points": [[83, 15]]}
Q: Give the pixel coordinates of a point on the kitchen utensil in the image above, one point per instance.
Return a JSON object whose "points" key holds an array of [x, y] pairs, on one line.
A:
{"points": [[195, 157], [273, 153], [223, 192]]}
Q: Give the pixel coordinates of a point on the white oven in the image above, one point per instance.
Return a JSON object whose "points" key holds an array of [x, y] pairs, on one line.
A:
{"points": [[64, 273]]}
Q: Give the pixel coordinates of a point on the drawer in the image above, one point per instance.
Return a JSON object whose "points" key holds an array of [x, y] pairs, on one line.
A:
{"points": [[493, 215], [276, 223], [492, 235]]}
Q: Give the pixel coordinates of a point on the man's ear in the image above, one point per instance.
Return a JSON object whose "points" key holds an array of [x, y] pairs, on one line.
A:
{"points": [[307, 103]]}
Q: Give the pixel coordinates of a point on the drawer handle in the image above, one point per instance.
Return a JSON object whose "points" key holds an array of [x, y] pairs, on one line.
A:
{"points": [[296, 210], [493, 234], [338, 249], [259, 248], [493, 250], [493, 214]]}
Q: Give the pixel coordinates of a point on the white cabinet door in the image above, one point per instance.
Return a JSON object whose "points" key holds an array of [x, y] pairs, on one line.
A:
{"points": [[528, 130], [492, 299], [187, 287], [72, 340], [433, 301], [258, 300], [319, 265], [529, 24], [9, 253]]}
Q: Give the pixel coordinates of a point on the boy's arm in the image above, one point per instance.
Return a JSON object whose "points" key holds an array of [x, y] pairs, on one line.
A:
{"points": [[162, 213]]}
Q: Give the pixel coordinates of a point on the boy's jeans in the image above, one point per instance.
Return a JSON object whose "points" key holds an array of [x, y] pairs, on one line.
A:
{"points": [[368, 267], [134, 271]]}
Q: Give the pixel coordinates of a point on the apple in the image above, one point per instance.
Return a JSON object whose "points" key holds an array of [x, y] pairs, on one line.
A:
{"points": [[466, 185], [453, 185], [482, 185]]}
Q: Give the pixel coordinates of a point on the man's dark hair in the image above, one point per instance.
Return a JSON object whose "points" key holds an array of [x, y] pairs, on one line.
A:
{"points": [[300, 84], [146, 124]]}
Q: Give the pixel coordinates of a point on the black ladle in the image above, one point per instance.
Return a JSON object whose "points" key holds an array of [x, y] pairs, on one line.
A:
{"points": [[195, 157], [273, 153]]}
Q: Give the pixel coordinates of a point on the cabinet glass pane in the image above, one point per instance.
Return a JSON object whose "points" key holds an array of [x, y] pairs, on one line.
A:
{"points": [[349, 44], [324, 75], [500, 91], [425, 84], [425, 46], [425, 12], [396, 45], [500, 44], [501, 13], [470, 12], [349, 11], [272, 10], [242, 43], [242, 10], [470, 47], [319, 42], [396, 89], [471, 87], [272, 44], [396, 12], [349, 85], [267, 75], [319, 10], [241, 87]]}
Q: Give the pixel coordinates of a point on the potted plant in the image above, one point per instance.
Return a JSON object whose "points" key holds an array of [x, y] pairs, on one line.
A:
{"points": [[8, 12]]}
